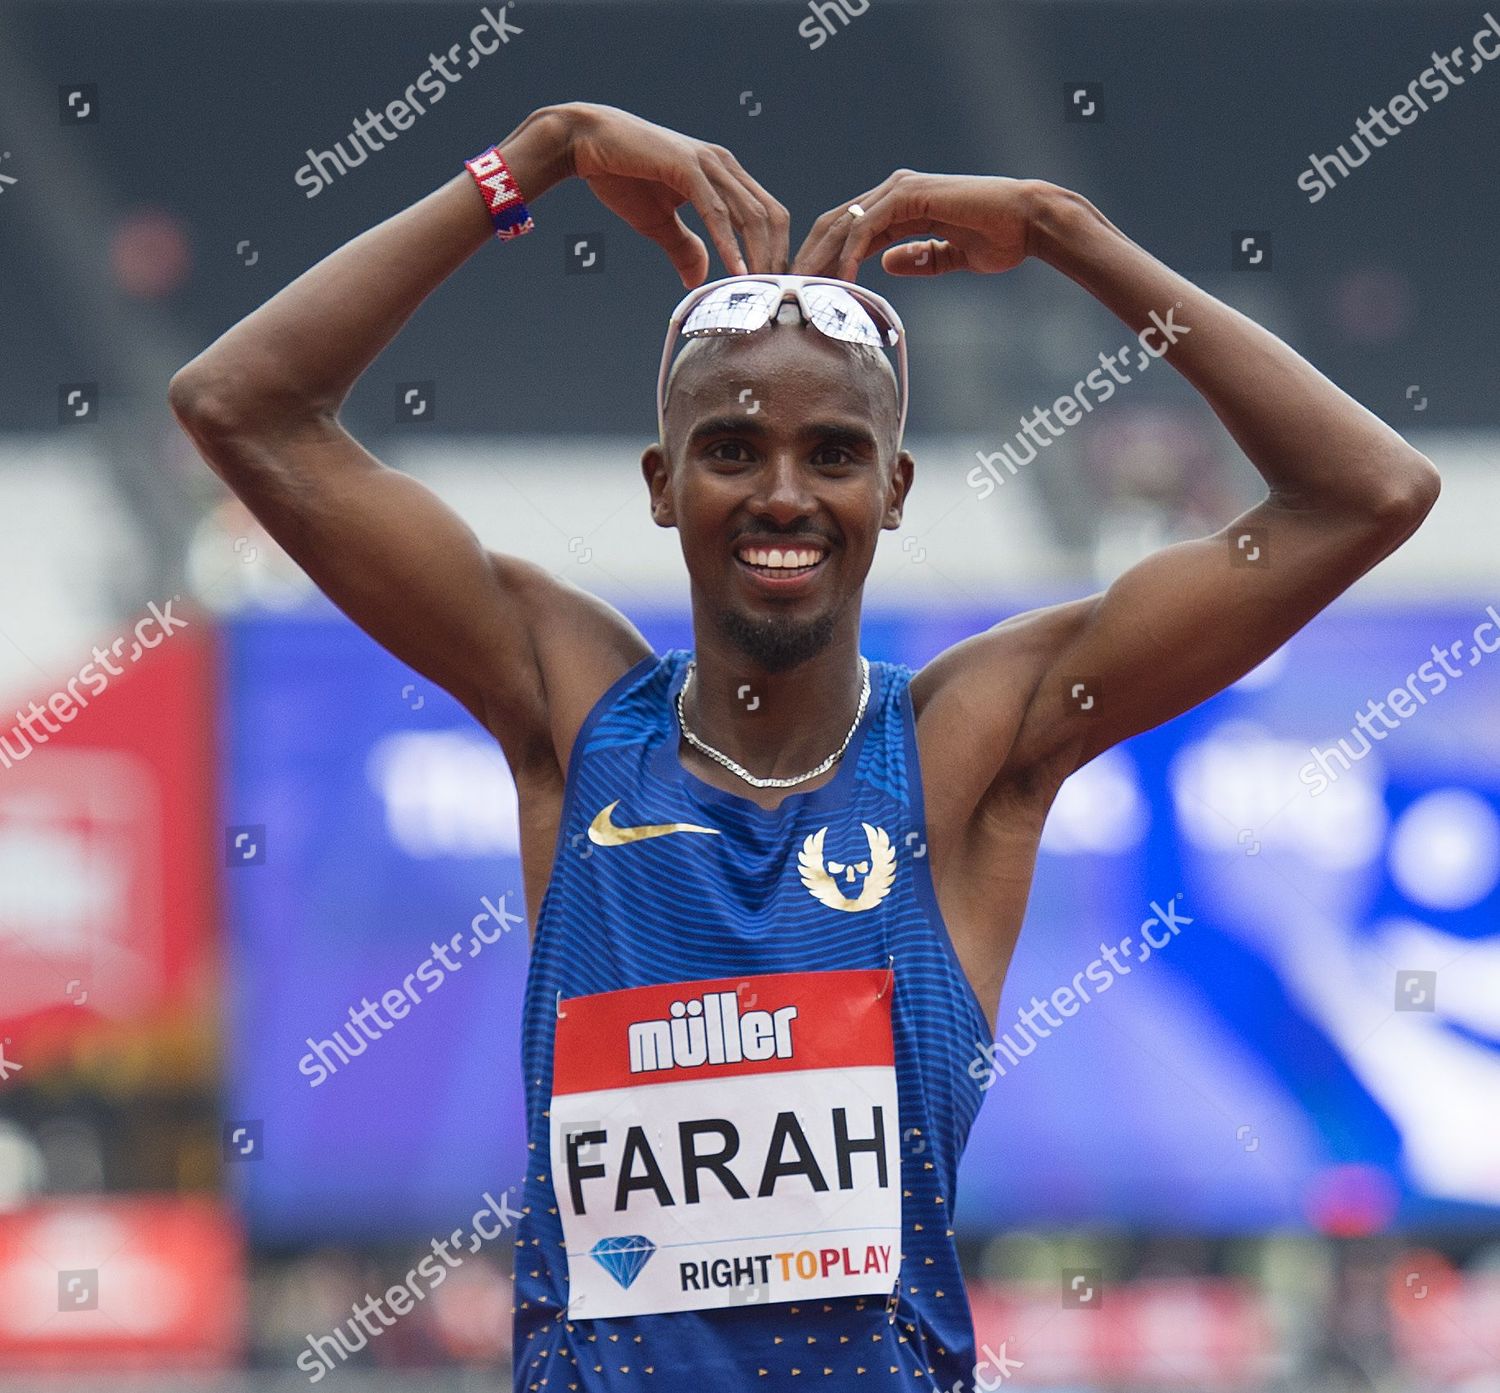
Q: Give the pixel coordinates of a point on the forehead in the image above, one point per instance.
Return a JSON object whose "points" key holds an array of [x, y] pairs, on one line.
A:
{"points": [[789, 365]]}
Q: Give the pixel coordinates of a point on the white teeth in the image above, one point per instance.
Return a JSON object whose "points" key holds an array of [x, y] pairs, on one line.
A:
{"points": [[781, 560]]}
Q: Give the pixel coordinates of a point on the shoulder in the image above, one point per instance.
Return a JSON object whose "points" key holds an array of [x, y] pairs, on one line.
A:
{"points": [[1014, 654], [972, 701]]}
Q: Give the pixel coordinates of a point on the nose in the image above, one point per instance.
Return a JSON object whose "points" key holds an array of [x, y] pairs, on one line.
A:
{"points": [[783, 496]]}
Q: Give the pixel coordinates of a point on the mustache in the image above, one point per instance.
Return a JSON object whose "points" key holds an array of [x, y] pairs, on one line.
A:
{"points": [[784, 537]]}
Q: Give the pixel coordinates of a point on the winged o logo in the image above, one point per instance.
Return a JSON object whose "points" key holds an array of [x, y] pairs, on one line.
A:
{"points": [[879, 871]]}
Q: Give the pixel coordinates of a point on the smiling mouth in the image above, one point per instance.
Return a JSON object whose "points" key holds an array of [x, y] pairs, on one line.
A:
{"points": [[781, 563]]}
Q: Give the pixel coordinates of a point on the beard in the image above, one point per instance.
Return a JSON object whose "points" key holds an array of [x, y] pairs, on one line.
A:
{"points": [[776, 643]]}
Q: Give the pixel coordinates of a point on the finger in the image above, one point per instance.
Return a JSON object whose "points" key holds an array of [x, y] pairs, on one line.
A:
{"points": [[816, 257], [684, 248], [812, 256], [752, 223], [714, 211], [930, 257], [779, 220], [894, 217], [898, 232], [852, 240]]}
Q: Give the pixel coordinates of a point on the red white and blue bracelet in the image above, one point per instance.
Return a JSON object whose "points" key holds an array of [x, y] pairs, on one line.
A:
{"points": [[502, 195]]}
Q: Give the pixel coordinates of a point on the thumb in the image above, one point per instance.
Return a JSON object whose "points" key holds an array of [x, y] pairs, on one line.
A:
{"points": [[929, 257], [684, 248]]}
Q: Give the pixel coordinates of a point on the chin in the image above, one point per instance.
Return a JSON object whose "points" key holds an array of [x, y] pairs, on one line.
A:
{"points": [[776, 642]]}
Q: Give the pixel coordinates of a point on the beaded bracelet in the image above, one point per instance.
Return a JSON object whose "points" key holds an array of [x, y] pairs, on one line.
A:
{"points": [[502, 195]]}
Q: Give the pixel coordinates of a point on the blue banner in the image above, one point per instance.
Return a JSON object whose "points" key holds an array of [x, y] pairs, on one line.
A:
{"points": [[1259, 982]]}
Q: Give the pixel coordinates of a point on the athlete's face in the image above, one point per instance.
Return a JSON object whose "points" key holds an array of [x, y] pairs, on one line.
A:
{"points": [[779, 474]]}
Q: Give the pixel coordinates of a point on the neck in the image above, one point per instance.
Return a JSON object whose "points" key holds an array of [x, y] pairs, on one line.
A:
{"points": [[776, 724]]}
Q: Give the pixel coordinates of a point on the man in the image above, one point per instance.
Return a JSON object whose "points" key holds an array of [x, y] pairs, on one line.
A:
{"points": [[750, 1011]]}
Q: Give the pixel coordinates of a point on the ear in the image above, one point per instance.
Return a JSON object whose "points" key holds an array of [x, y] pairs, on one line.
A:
{"points": [[658, 475], [902, 471]]}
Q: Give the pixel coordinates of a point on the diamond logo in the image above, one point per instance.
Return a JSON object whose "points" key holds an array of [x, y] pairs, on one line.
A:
{"points": [[623, 1257]]}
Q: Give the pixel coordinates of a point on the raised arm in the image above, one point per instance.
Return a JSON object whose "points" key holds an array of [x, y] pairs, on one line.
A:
{"points": [[1343, 489], [262, 403]]}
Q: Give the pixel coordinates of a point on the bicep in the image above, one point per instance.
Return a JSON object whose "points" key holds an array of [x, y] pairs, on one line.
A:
{"points": [[390, 554], [1188, 621]]}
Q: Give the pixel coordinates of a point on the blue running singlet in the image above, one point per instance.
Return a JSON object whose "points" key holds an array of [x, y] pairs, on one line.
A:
{"points": [[746, 1038]]}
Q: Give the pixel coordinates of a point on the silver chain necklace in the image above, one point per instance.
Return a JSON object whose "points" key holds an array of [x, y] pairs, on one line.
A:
{"points": [[739, 770]]}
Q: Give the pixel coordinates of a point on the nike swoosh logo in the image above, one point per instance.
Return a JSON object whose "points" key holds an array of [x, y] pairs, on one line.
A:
{"points": [[603, 832]]}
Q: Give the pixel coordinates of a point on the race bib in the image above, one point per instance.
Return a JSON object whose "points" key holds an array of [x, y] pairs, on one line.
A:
{"points": [[724, 1142]]}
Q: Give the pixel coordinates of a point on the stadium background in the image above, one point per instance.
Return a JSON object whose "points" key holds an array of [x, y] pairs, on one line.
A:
{"points": [[1267, 1158]]}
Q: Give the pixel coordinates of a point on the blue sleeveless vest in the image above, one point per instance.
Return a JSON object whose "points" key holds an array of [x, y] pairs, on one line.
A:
{"points": [[662, 942]]}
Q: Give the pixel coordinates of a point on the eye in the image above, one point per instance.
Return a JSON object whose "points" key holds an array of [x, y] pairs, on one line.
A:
{"points": [[834, 456], [718, 451]]}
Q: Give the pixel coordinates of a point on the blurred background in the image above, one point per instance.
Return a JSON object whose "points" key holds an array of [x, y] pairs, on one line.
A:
{"points": [[1268, 1158]]}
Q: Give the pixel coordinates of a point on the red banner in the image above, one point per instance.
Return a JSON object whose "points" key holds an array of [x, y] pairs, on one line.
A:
{"points": [[1180, 1332], [107, 859], [119, 1282]]}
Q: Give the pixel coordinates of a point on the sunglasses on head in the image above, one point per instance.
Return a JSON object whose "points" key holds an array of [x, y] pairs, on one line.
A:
{"points": [[744, 304]]}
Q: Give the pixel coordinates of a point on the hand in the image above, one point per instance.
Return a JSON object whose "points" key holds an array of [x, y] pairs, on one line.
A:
{"points": [[980, 224], [644, 173]]}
